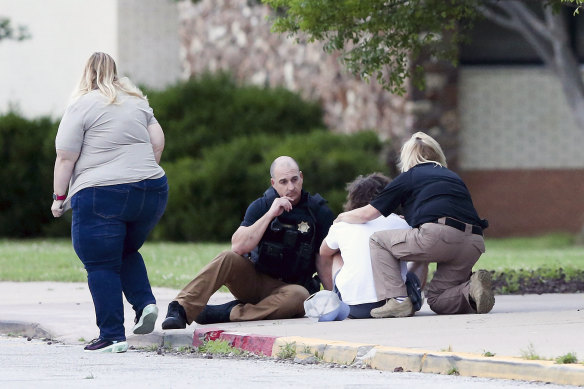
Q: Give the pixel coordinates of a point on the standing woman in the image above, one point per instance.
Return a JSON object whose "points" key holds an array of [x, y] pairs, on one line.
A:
{"points": [[108, 149], [447, 230]]}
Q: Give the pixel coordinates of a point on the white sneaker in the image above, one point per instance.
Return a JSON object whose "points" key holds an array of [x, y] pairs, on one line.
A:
{"points": [[145, 323]]}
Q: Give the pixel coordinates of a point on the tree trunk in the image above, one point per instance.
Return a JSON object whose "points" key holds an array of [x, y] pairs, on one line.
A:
{"points": [[549, 39]]}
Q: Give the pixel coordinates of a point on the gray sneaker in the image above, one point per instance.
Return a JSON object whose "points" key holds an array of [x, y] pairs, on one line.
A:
{"points": [[393, 308], [146, 320], [481, 291]]}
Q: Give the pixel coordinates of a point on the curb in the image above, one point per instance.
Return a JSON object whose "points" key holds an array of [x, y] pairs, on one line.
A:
{"points": [[357, 354], [402, 359], [34, 330], [257, 344]]}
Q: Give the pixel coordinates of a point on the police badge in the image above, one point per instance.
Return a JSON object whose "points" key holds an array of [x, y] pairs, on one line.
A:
{"points": [[303, 227]]}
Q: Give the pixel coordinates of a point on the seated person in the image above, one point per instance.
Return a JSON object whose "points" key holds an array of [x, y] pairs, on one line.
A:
{"points": [[273, 256], [346, 248]]}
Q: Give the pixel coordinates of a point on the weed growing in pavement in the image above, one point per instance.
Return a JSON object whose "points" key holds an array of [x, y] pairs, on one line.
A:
{"points": [[288, 351], [530, 353], [567, 358], [82, 340], [453, 371], [218, 346], [319, 357], [488, 354], [89, 377], [307, 350], [152, 347]]}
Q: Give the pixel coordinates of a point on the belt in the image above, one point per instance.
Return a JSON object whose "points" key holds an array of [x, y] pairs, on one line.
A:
{"points": [[461, 226]]}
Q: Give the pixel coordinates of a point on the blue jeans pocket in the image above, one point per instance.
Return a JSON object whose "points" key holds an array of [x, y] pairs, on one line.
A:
{"points": [[110, 201], [162, 200]]}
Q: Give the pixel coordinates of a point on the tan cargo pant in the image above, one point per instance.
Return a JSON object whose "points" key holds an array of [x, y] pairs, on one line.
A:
{"points": [[454, 251], [262, 296]]}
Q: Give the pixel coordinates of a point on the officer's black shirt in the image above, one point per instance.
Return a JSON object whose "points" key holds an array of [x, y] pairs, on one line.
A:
{"points": [[426, 193], [323, 215]]}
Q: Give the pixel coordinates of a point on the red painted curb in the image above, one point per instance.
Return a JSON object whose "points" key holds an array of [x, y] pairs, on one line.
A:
{"points": [[202, 335], [257, 344]]}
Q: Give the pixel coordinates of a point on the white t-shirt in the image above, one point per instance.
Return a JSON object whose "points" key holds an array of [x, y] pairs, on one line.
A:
{"points": [[355, 279]]}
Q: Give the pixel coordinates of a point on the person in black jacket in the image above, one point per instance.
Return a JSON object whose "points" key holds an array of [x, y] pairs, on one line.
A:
{"points": [[273, 256], [446, 230]]}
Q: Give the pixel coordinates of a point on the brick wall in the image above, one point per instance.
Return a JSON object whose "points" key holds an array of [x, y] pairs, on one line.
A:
{"points": [[528, 202]]}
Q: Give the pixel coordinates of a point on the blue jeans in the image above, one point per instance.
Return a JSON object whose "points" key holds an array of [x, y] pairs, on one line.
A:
{"points": [[110, 224]]}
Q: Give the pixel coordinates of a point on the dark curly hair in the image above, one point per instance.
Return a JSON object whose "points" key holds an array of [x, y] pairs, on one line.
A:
{"points": [[364, 189]]}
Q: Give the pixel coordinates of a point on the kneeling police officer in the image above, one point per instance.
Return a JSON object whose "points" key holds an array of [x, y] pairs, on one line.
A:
{"points": [[274, 254]]}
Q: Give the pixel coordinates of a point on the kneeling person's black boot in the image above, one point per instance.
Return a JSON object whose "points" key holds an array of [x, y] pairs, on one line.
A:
{"points": [[216, 313], [176, 317]]}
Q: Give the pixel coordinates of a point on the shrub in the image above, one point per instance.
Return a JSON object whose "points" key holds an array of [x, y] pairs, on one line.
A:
{"points": [[28, 153], [213, 109], [208, 196], [220, 141]]}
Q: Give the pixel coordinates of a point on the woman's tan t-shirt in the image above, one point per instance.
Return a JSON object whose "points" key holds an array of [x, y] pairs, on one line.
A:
{"points": [[112, 140]]}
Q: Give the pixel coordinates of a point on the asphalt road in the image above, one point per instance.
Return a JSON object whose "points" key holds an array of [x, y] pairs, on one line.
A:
{"points": [[38, 364]]}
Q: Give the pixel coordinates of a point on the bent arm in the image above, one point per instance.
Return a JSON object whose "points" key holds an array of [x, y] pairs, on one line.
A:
{"points": [[326, 251], [157, 140], [359, 215], [324, 265], [246, 238], [64, 164]]}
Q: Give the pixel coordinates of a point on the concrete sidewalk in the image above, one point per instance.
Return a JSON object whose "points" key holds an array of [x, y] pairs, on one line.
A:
{"points": [[548, 326]]}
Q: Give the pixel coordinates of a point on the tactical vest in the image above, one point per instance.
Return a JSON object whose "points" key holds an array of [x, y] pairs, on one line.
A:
{"points": [[287, 249]]}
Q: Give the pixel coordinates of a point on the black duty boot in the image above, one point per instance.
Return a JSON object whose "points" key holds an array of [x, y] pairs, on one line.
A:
{"points": [[216, 313], [414, 289], [176, 317]]}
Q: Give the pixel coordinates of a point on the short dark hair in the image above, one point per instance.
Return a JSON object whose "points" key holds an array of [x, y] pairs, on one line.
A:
{"points": [[364, 189]]}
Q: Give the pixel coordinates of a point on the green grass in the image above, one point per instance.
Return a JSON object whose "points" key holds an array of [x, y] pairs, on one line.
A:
{"points": [[530, 353], [557, 250], [219, 346], [170, 265], [175, 264], [288, 351], [567, 358], [548, 251]]}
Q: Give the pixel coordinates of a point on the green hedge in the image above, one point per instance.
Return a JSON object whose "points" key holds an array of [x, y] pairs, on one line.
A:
{"points": [[28, 155], [213, 109], [220, 141], [208, 197]]}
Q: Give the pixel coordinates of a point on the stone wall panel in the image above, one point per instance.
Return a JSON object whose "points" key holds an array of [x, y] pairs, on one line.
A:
{"points": [[235, 36]]}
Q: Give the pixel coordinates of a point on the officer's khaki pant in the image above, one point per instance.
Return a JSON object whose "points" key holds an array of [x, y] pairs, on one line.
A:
{"points": [[262, 296], [454, 251]]}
